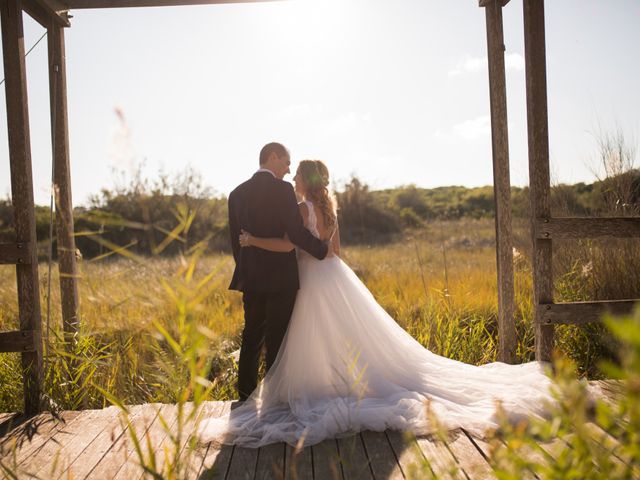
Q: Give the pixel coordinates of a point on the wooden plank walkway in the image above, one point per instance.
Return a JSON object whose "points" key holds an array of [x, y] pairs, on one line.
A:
{"points": [[95, 444]]}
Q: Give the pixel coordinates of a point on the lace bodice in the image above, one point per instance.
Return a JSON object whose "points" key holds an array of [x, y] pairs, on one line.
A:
{"points": [[312, 221]]}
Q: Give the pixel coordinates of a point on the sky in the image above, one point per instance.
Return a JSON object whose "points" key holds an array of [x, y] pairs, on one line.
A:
{"points": [[393, 91]]}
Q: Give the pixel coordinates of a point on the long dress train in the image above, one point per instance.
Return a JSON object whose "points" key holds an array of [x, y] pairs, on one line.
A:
{"points": [[345, 366]]}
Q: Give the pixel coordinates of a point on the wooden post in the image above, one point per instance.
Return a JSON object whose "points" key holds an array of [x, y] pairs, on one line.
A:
{"points": [[22, 195], [501, 182], [62, 183], [538, 132]]}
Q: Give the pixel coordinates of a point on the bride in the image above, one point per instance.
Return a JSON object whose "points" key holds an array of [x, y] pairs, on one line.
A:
{"points": [[345, 365]]}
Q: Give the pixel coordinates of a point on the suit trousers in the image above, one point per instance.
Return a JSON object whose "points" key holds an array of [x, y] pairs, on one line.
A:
{"points": [[266, 318]]}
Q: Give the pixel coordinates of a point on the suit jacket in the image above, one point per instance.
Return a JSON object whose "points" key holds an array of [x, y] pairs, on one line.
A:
{"points": [[267, 207]]}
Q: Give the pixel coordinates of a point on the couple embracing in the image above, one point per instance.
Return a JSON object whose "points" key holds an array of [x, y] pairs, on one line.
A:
{"points": [[337, 363]]}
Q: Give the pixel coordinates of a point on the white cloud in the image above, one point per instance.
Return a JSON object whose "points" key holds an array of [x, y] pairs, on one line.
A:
{"points": [[469, 64], [346, 122], [512, 61], [296, 111], [473, 129], [330, 123]]}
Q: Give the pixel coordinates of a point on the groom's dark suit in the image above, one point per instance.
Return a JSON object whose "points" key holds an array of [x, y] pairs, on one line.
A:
{"points": [[266, 207]]}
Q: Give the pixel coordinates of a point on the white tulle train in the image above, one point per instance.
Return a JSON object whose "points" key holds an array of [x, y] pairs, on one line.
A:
{"points": [[347, 366]]}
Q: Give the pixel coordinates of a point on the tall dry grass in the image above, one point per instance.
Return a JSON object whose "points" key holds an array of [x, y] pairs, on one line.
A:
{"points": [[439, 283]]}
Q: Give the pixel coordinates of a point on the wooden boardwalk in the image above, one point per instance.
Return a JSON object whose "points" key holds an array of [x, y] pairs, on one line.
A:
{"points": [[96, 444]]}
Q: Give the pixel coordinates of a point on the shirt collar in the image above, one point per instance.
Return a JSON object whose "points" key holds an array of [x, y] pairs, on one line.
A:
{"points": [[266, 170]]}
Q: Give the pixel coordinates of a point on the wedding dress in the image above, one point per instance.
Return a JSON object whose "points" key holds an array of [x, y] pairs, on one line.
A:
{"points": [[345, 366]]}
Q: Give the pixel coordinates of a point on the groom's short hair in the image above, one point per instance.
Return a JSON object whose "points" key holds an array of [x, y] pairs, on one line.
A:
{"points": [[273, 147]]}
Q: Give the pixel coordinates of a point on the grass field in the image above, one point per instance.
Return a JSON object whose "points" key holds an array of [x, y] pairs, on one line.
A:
{"points": [[138, 315]]}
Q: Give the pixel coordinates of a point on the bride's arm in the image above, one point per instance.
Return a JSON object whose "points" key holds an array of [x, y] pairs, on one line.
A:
{"points": [[273, 244]]}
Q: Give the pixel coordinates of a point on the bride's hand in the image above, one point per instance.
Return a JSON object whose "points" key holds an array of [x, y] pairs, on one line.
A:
{"points": [[245, 239]]}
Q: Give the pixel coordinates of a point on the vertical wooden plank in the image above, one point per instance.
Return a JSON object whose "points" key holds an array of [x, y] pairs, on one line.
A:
{"points": [[22, 194], [440, 459], [271, 462], [243, 463], [384, 463], [501, 182], [211, 409], [298, 463], [217, 458], [62, 182], [538, 133], [471, 455], [409, 456], [355, 464], [326, 460]]}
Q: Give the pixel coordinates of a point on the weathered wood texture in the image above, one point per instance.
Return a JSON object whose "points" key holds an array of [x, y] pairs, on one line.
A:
{"points": [[298, 463], [15, 253], [501, 183], [584, 312], [62, 182], [381, 457], [22, 194], [575, 227], [18, 341], [97, 444], [471, 455], [486, 3], [46, 11], [326, 460], [73, 4], [353, 458], [538, 135], [215, 458]]}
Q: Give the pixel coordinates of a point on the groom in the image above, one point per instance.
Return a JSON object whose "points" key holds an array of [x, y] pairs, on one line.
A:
{"points": [[266, 206]]}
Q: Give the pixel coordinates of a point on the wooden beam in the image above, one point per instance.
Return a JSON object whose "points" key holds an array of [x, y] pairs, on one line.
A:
{"points": [[35, 11], [539, 181], [77, 4], [501, 183], [62, 181], [22, 194], [486, 3], [584, 312], [15, 253], [44, 11], [20, 341], [577, 227]]}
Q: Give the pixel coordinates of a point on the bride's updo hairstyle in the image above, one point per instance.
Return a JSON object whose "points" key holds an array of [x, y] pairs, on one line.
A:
{"points": [[315, 175]]}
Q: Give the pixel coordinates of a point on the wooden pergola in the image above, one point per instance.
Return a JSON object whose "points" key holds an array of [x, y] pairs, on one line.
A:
{"points": [[54, 16]]}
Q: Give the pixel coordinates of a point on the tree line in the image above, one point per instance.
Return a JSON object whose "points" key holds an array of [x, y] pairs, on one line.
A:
{"points": [[174, 214]]}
